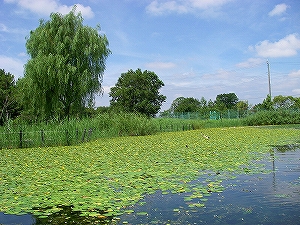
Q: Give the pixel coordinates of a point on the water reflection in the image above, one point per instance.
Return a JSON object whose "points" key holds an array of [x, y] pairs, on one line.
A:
{"points": [[65, 216], [14, 220], [272, 198], [281, 149], [285, 148]]}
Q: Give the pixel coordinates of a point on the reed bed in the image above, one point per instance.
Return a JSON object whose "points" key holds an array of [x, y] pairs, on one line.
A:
{"points": [[76, 131]]}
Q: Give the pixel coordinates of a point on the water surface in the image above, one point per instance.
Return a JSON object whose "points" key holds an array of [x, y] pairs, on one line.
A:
{"points": [[261, 198], [272, 198]]}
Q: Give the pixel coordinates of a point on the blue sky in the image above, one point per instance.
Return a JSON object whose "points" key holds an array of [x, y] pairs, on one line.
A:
{"points": [[198, 48]]}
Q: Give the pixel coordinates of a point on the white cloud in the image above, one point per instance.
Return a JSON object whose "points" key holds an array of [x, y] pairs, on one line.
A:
{"points": [[296, 91], [160, 65], [219, 75], [5, 29], [278, 10], [295, 74], [106, 89], [285, 47], [181, 84], [159, 7], [45, 7], [251, 62], [22, 54], [12, 65]]}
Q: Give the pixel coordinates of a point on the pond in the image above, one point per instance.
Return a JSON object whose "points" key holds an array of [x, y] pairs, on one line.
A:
{"points": [[259, 198]]}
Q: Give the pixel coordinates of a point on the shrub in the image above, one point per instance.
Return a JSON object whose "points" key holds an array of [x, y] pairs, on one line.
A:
{"points": [[273, 117]]}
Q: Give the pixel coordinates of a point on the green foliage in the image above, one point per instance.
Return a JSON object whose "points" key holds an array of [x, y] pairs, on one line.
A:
{"points": [[133, 125], [285, 102], [226, 101], [9, 108], [65, 69], [182, 104], [272, 117], [175, 104], [267, 104], [223, 103], [103, 177], [74, 131], [137, 92]]}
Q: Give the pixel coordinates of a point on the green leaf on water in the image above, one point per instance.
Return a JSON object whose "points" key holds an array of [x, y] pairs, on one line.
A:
{"points": [[198, 205], [111, 174], [129, 211]]}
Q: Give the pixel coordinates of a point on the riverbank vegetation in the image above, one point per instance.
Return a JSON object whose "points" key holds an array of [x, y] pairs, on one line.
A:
{"points": [[16, 134]]}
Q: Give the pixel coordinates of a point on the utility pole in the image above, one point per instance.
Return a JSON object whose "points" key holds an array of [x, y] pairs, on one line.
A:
{"points": [[269, 78]]}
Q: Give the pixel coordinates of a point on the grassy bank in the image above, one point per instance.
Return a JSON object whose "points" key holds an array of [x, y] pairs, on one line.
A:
{"points": [[75, 131], [101, 178], [273, 117]]}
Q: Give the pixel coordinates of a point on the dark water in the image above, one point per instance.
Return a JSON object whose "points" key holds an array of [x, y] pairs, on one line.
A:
{"points": [[272, 198]]}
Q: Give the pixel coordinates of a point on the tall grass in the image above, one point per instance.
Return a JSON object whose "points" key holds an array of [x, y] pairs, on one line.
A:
{"points": [[272, 117], [75, 131], [173, 124]]}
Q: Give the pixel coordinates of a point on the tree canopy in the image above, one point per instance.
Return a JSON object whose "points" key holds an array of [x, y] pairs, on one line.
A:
{"points": [[8, 105], [226, 101], [285, 102], [279, 103], [182, 104], [64, 72], [138, 92]]}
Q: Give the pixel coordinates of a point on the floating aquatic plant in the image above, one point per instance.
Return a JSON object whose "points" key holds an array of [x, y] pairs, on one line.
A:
{"points": [[103, 177]]}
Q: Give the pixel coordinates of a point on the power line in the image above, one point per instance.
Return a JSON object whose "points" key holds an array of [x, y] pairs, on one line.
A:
{"points": [[269, 78]]}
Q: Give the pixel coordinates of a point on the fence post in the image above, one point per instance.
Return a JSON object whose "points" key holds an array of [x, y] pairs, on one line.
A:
{"points": [[21, 137], [67, 137], [90, 134], [43, 137], [83, 135]]}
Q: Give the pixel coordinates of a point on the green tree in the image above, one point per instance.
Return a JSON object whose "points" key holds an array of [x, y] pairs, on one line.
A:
{"points": [[284, 102], [226, 101], [175, 104], [203, 103], [242, 105], [8, 106], [211, 105], [67, 61], [267, 104], [186, 104], [138, 92]]}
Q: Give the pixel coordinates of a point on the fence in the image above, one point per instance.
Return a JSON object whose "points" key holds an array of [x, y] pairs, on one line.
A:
{"points": [[15, 137], [213, 115], [42, 138], [23, 139]]}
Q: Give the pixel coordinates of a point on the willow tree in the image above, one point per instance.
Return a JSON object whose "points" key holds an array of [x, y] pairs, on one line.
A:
{"points": [[66, 66]]}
